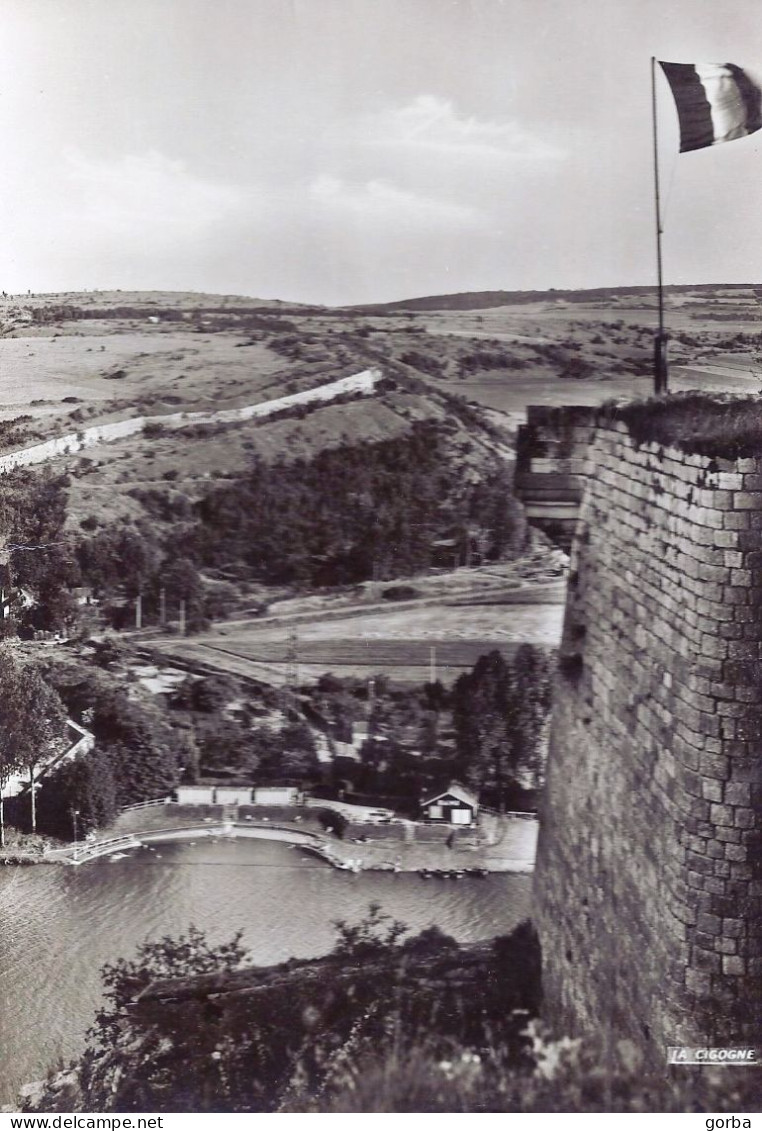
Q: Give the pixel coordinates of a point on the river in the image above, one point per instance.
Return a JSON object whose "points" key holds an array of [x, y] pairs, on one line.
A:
{"points": [[60, 924]]}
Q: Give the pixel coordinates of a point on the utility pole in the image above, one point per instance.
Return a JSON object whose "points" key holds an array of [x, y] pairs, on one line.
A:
{"points": [[162, 606], [660, 341], [292, 661], [139, 611], [182, 616]]}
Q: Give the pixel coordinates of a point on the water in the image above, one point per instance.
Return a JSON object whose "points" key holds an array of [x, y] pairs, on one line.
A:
{"points": [[60, 924]]}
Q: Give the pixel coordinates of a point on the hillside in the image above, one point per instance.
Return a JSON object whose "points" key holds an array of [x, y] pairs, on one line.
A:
{"points": [[481, 300], [363, 482], [376, 484]]}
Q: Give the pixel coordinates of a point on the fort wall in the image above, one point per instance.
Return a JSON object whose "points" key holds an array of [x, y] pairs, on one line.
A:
{"points": [[551, 465], [648, 886]]}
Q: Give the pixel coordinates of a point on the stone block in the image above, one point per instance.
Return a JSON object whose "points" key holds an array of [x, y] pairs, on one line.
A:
{"points": [[752, 481], [747, 500], [733, 965], [709, 924], [713, 648], [745, 819], [712, 790], [698, 982], [706, 960], [733, 927], [714, 766], [735, 595], [731, 710]]}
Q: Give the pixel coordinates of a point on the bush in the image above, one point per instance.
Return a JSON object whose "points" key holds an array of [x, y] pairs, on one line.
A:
{"points": [[400, 593], [333, 822]]}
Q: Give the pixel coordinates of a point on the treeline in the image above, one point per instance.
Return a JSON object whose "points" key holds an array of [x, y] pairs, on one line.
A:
{"points": [[357, 512], [137, 754], [487, 731], [500, 711], [257, 317], [224, 734], [373, 511]]}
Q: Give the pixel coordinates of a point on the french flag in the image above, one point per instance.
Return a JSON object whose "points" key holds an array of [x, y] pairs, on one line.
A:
{"points": [[715, 102]]}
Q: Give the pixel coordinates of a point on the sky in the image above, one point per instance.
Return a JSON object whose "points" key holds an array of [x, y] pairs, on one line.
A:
{"points": [[354, 151]]}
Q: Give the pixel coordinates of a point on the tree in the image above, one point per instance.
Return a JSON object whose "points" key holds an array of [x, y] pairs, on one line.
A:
{"points": [[142, 747], [373, 935], [8, 766], [225, 744], [499, 713], [86, 786], [116, 1034], [181, 582], [32, 721], [532, 669], [482, 713]]}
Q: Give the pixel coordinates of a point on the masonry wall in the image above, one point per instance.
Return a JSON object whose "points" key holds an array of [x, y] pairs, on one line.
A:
{"points": [[647, 888], [551, 454]]}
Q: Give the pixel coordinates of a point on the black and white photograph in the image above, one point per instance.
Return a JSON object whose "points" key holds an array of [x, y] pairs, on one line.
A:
{"points": [[380, 559]]}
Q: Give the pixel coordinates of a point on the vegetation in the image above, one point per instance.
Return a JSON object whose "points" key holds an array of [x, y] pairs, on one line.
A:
{"points": [[187, 1027], [499, 712], [32, 517], [382, 1024], [714, 425], [137, 753], [32, 726], [355, 513], [482, 300]]}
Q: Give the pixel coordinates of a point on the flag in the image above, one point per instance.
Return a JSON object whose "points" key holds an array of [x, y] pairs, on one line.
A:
{"points": [[715, 102]]}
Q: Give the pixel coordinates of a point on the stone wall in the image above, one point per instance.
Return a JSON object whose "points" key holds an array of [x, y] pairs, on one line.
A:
{"points": [[357, 384], [648, 891], [551, 464]]}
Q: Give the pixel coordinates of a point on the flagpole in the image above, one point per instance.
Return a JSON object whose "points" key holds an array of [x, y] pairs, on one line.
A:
{"points": [[660, 343]]}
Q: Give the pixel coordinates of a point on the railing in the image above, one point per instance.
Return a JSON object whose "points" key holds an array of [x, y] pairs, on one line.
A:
{"points": [[85, 849], [147, 804]]}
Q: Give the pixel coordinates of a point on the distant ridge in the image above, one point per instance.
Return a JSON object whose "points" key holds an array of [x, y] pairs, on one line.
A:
{"points": [[181, 300], [482, 300]]}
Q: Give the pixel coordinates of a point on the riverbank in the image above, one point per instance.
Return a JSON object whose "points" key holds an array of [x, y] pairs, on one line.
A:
{"points": [[62, 924], [499, 844]]}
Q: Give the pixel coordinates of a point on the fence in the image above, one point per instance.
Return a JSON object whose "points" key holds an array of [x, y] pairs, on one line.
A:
{"points": [[147, 804]]}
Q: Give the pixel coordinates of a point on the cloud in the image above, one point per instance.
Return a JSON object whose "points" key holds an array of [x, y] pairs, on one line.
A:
{"points": [[381, 202], [431, 124], [149, 193]]}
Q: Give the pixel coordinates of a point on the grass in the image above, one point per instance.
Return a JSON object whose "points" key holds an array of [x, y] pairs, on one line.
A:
{"points": [[715, 425]]}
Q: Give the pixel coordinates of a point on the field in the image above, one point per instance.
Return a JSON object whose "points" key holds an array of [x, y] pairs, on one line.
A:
{"points": [[154, 353], [407, 643], [77, 359]]}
